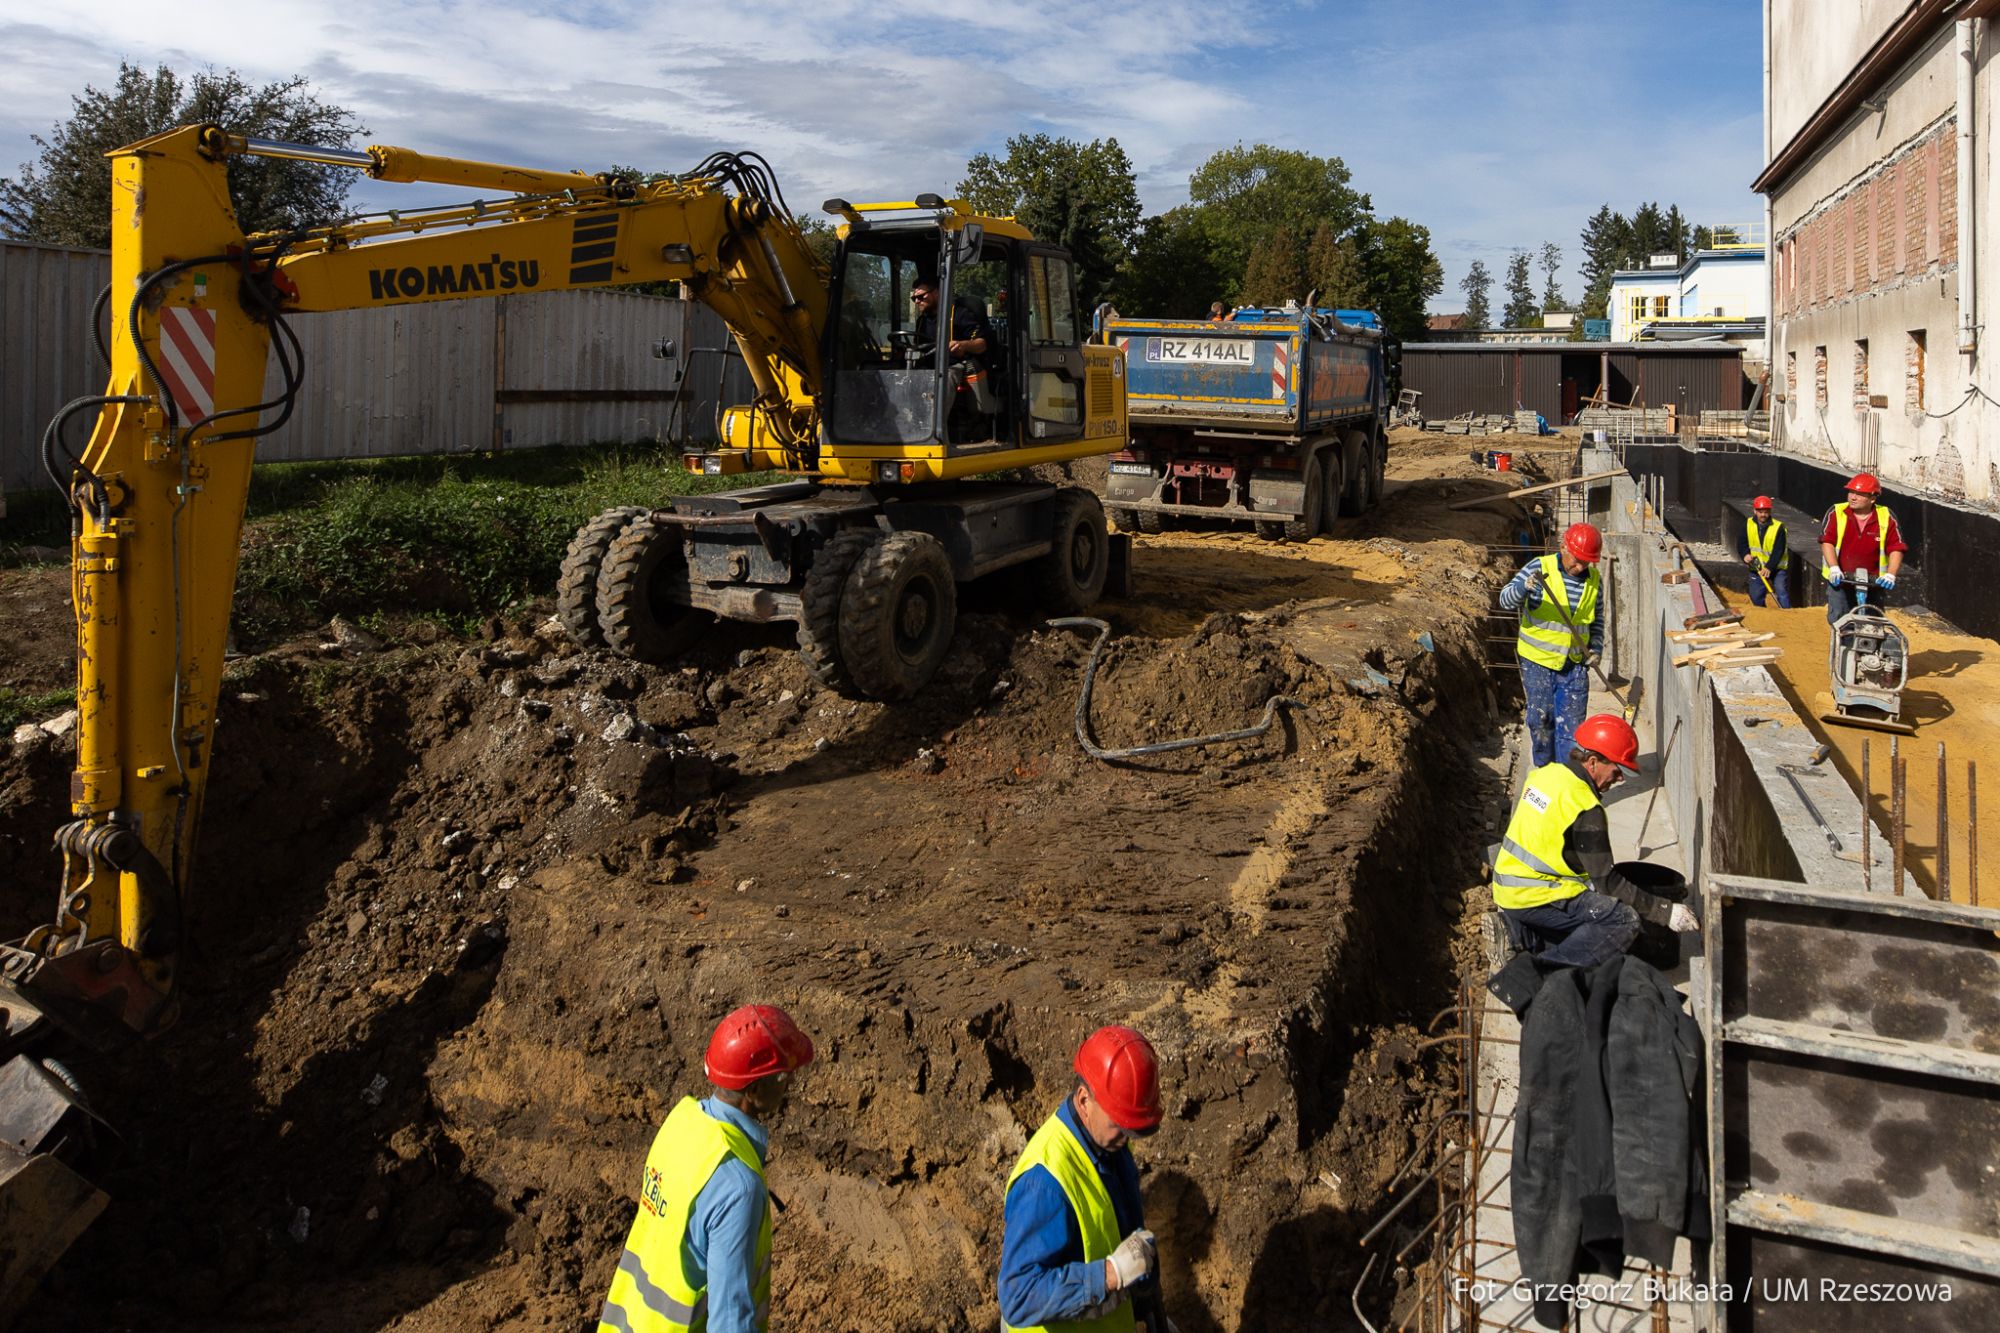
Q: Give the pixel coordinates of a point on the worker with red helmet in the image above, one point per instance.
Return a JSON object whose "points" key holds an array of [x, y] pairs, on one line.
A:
{"points": [[1859, 535], [1555, 881], [1560, 598], [1076, 1253], [1768, 553], [700, 1247]]}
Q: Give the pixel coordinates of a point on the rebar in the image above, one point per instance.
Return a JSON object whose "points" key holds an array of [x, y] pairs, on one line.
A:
{"points": [[1896, 814], [1944, 835], [1972, 830], [1867, 847]]}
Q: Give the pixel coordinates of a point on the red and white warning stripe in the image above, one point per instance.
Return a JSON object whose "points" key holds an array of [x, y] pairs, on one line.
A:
{"points": [[1281, 369], [187, 359]]}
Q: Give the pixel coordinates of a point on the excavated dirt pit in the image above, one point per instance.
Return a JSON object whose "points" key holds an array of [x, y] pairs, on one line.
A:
{"points": [[466, 915]]}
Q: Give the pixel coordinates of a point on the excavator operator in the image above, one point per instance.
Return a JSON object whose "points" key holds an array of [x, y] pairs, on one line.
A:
{"points": [[967, 343]]}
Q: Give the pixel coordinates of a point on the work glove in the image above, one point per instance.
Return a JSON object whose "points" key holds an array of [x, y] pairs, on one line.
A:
{"points": [[1590, 659], [1831, 573], [1134, 1258], [1681, 921], [1885, 581]]}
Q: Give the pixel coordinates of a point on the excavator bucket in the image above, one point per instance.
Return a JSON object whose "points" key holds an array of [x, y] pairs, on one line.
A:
{"points": [[44, 1203]]}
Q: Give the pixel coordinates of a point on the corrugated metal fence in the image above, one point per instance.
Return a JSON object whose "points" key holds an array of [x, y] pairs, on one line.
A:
{"points": [[510, 372]]}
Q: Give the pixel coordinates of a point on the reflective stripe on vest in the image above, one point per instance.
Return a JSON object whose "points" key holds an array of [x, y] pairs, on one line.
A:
{"points": [[1548, 638], [1056, 1149], [1762, 549], [1881, 534], [650, 1292], [1531, 870]]}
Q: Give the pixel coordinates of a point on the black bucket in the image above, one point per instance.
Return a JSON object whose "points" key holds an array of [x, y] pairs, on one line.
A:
{"points": [[1656, 944]]}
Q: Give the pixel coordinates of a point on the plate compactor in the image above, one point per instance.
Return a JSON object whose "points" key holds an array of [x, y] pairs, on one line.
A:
{"points": [[1868, 663]]}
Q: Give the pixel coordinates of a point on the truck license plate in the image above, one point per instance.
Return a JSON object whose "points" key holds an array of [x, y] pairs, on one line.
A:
{"points": [[1204, 351]]}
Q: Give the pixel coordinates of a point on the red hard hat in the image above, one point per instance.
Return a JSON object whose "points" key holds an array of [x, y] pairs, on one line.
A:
{"points": [[1123, 1074], [1612, 737], [753, 1041], [1865, 483], [1584, 542], [1761, 502]]}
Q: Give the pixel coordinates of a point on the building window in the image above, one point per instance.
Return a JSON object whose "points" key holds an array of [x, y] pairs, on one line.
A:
{"points": [[1913, 372], [1636, 312], [1791, 379], [1819, 377], [1861, 374], [1660, 307]]}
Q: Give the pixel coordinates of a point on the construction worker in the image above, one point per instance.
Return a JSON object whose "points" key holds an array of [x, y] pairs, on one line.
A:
{"points": [[1075, 1193], [699, 1254], [1218, 313], [1561, 636], [1767, 552], [1555, 882], [1859, 535]]}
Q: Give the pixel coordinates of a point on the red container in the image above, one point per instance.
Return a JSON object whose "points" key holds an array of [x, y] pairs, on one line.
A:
{"points": [[1503, 462]]}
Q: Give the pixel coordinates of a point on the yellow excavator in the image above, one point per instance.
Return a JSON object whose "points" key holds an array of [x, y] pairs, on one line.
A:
{"points": [[883, 424]]}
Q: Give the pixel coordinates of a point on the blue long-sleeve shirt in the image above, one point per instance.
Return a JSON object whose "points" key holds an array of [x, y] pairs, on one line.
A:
{"points": [[1516, 592], [1043, 1276], [721, 1241]]}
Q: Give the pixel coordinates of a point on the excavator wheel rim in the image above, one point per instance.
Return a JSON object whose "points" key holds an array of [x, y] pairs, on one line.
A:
{"points": [[820, 598], [637, 622], [576, 585], [890, 646]]}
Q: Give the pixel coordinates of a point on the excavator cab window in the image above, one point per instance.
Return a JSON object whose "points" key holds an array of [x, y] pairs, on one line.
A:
{"points": [[884, 386]]}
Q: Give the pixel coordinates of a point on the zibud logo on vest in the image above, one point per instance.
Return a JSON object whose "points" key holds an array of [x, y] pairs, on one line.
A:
{"points": [[494, 275]]}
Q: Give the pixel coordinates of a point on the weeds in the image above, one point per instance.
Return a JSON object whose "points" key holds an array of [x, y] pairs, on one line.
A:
{"points": [[16, 708]]}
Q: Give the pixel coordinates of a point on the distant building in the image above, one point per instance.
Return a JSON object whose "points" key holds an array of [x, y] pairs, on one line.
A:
{"points": [[1720, 292], [1881, 314]]}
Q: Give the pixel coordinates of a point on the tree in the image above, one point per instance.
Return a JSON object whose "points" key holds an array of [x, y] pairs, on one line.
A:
{"points": [[1552, 296], [1333, 269], [1399, 273], [1276, 271], [1080, 196], [1170, 271], [1607, 238], [1476, 283], [1521, 309], [64, 196], [1245, 194]]}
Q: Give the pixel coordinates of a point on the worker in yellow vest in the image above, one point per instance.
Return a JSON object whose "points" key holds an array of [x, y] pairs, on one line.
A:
{"points": [[1859, 535], [1560, 598], [1766, 549], [699, 1254], [1076, 1256], [1555, 882]]}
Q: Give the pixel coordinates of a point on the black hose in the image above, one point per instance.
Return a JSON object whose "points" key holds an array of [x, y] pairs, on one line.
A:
{"points": [[97, 334], [54, 448], [1159, 747]]}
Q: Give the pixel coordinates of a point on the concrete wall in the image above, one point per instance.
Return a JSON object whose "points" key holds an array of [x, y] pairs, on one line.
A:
{"points": [[1722, 735], [1865, 254]]}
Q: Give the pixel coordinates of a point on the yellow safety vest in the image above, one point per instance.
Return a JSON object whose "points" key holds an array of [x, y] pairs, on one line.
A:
{"points": [[1881, 534], [1762, 547], [1546, 637], [650, 1292], [1056, 1148], [1531, 870]]}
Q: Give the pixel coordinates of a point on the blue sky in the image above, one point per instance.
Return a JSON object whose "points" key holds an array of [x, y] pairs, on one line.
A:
{"points": [[1497, 125]]}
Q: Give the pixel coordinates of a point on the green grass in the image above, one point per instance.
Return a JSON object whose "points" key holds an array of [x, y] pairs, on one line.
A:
{"points": [[16, 708]]}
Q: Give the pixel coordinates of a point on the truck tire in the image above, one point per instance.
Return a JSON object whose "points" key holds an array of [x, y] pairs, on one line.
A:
{"points": [[1125, 520], [576, 585], [898, 609], [1306, 526], [1358, 496], [638, 621], [1271, 529], [1152, 523], [1071, 576], [819, 622]]}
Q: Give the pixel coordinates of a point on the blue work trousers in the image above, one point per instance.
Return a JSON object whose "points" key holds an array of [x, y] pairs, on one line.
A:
{"points": [[1840, 598], [1557, 701], [1579, 931], [1781, 582]]}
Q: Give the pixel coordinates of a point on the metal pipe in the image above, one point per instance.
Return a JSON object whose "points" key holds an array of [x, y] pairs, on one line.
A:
{"points": [[1896, 815], [1968, 229], [301, 152], [1972, 830], [1867, 848], [1944, 835]]}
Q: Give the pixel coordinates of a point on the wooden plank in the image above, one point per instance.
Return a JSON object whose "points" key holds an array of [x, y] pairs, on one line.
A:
{"points": [[1530, 490]]}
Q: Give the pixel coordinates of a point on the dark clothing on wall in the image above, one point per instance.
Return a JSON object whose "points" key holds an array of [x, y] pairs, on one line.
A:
{"points": [[1606, 1159]]}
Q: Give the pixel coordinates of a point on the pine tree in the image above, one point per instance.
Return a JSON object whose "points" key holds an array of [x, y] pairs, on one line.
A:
{"points": [[1333, 269], [1607, 239], [1275, 272], [1552, 296], [1521, 311], [1476, 283]]}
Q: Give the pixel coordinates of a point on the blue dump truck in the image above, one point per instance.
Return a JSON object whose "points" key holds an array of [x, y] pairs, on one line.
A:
{"points": [[1274, 417]]}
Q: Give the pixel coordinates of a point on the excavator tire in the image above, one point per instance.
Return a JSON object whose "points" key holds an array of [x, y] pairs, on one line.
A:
{"points": [[898, 609], [1071, 576], [638, 621], [819, 623], [1306, 526], [576, 585]]}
